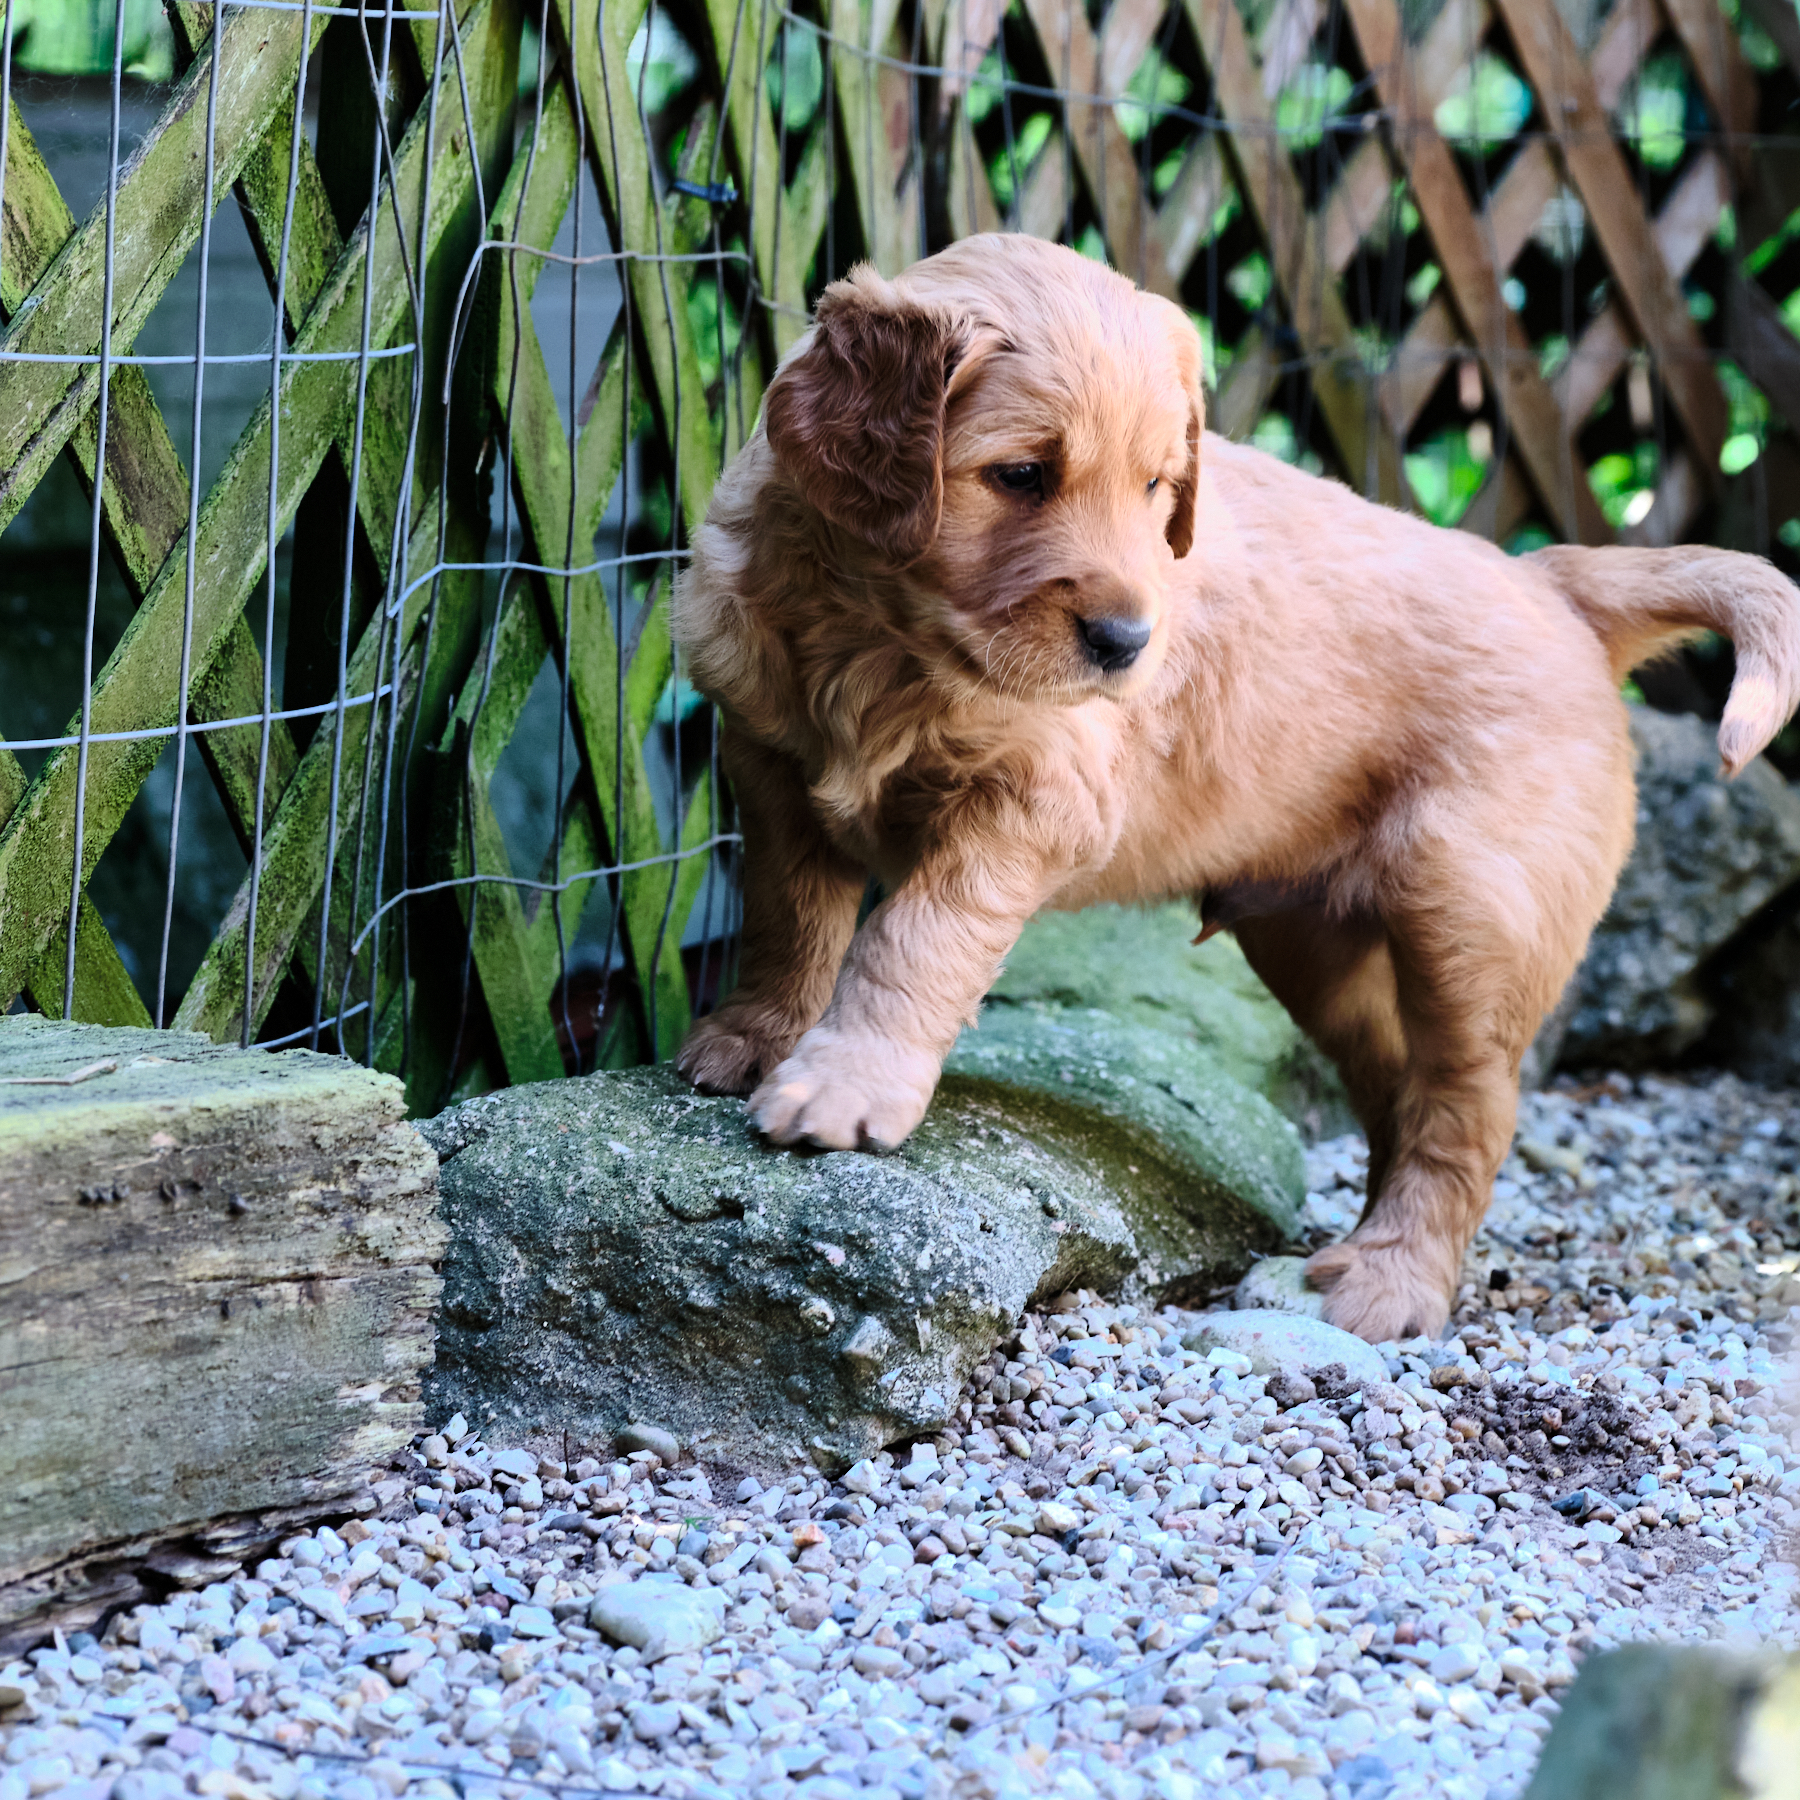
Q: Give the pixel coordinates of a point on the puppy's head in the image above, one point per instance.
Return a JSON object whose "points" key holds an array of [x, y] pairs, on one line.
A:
{"points": [[1017, 431]]}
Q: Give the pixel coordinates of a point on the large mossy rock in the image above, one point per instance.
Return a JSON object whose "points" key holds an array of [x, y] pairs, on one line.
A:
{"points": [[1710, 854], [1203, 1166], [625, 1250], [1675, 1722], [1142, 966], [216, 1287]]}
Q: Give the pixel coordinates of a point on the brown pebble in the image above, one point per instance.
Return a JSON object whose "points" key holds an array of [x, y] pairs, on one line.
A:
{"points": [[809, 1612], [807, 1533], [1144, 1718], [929, 1550]]}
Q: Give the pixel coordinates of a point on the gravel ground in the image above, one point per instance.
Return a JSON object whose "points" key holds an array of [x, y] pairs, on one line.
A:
{"points": [[1131, 1571]]}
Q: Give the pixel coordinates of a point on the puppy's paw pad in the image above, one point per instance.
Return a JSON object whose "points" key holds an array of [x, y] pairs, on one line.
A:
{"points": [[1378, 1293], [839, 1095], [731, 1050]]}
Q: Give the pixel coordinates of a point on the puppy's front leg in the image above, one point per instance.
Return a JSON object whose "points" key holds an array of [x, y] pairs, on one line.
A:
{"points": [[800, 901], [915, 975]]}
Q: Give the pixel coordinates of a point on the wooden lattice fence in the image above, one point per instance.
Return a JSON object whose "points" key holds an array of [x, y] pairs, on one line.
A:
{"points": [[1519, 264]]}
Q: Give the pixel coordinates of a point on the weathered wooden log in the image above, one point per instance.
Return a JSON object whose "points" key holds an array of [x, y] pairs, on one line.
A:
{"points": [[217, 1277]]}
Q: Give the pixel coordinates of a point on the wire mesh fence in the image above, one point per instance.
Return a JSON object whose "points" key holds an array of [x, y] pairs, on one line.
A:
{"points": [[364, 368]]}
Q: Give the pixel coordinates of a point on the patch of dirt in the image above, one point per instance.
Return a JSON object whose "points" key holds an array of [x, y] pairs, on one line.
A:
{"points": [[1518, 1427]]}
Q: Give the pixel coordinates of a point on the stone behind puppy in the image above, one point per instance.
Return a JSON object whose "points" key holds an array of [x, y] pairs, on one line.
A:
{"points": [[990, 619]]}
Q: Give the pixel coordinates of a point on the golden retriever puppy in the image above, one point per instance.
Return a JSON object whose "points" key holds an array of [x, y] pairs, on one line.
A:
{"points": [[989, 618]]}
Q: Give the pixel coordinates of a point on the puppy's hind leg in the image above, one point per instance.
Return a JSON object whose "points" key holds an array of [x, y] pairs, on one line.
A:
{"points": [[1335, 977], [1469, 998]]}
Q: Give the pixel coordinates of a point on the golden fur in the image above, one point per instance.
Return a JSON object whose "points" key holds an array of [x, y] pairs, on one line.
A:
{"points": [[1392, 758]]}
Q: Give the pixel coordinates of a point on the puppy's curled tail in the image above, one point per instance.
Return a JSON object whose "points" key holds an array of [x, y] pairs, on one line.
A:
{"points": [[1638, 602]]}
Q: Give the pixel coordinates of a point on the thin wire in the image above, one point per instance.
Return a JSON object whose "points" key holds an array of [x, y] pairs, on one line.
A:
{"points": [[380, 97], [93, 593], [193, 523], [566, 660], [248, 1025], [6, 37]]}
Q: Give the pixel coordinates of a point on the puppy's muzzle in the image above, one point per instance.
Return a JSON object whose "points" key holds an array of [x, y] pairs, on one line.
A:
{"points": [[1113, 641]]}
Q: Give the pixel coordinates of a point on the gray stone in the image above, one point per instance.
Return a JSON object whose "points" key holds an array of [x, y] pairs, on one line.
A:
{"points": [[1710, 853], [1142, 966], [658, 1617], [227, 1251], [648, 1437], [624, 1248], [1287, 1343], [1278, 1284]]}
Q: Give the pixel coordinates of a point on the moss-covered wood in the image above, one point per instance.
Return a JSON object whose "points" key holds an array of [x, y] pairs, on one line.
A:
{"points": [[216, 1285]]}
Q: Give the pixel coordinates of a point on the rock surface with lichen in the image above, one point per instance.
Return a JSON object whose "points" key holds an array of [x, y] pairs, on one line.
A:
{"points": [[624, 1249]]}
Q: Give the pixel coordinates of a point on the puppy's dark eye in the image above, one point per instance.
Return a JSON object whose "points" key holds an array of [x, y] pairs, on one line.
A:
{"points": [[1154, 479], [1020, 478]]}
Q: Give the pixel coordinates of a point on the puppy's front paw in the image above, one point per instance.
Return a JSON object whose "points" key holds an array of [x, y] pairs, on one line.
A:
{"points": [[845, 1093], [1380, 1291], [732, 1049]]}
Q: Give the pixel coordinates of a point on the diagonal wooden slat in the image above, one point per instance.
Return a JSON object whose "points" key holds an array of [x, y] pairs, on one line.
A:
{"points": [[610, 743], [1598, 172], [1108, 161], [1308, 287], [874, 103], [136, 688], [1473, 274], [597, 40], [1726, 79], [105, 994], [740, 43], [1683, 228], [144, 501], [299, 843], [143, 512], [159, 197]]}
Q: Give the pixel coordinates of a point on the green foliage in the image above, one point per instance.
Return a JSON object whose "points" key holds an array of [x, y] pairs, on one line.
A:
{"points": [[1424, 284], [1749, 419], [1028, 142], [1446, 473], [1487, 106], [1251, 281], [1625, 485], [796, 77], [1210, 349], [704, 303], [1167, 172], [75, 37], [1156, 86], [1275, 433], [1773, 245], [660, 64], [1316, 96], [1653, 111]]}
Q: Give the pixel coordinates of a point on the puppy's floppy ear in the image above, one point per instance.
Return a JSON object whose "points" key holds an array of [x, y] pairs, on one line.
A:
{"points": [[856, 416], [1187, 490]]}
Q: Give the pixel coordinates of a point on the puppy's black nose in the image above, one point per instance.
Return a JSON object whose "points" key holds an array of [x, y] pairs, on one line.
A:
{"points": [[1114, 643]]}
